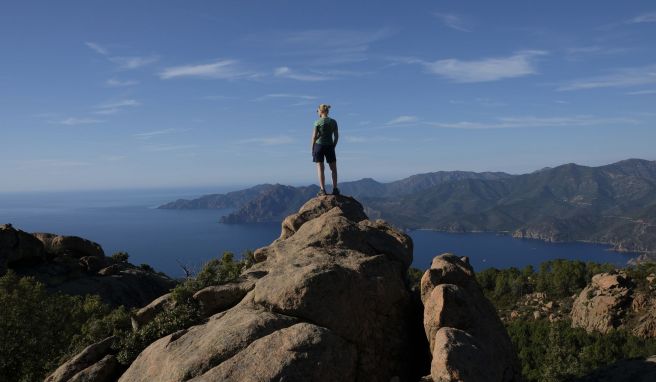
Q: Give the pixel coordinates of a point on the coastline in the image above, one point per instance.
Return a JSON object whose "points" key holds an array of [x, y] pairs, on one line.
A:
{"points": [[612, 247]]}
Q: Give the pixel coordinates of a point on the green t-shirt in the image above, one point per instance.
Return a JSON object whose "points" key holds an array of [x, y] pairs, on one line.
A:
{"points": [[325, 129]]}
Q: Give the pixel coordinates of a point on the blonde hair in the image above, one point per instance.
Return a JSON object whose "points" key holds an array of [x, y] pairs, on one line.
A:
{"points": [[324, 109]]}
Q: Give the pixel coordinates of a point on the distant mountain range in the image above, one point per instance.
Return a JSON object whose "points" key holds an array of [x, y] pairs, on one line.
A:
{"points": [[614, 204]]}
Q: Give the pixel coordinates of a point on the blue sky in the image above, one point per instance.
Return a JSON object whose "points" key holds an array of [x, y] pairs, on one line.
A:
{"points": [[131, 94]]}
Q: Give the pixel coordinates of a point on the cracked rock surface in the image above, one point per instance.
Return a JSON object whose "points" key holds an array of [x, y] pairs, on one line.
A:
{"points": [[329, 303]]}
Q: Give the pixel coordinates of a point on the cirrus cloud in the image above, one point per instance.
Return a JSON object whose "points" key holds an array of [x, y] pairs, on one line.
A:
{"points": [[520, 64], [403, 119], [222, 69], [624, 77]]}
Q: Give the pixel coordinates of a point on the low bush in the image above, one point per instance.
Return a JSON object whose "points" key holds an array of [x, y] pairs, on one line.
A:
{"points": [[557, 352], [38, 330], [120, 257]]}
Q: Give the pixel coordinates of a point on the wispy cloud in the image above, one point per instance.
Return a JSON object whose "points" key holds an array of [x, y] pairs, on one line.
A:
{"points": [[286, 72], [269, 141], [285, 95], [133, 62], [116, 83], [221, 69], [115, 106], [74, 121], [624, 77], [168, 147], [97, 48], [453, 21], [643, 92], [156, 133], [579, 52], [122, 62], [323, 47], [403, 119], [520, 64], [644, 18], [121, 103], [530, 121]]}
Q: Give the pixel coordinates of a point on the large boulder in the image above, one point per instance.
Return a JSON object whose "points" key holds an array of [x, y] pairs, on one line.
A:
{"points": [[132, 287], [603, 304], [69, 245], [18, 248], [88, 357], [468, 342], [217, 298], [329, 303], [304, 352], [104, 370]]}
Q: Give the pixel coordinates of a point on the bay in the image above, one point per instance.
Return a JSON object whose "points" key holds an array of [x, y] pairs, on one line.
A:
{"points": [[128, 221]]}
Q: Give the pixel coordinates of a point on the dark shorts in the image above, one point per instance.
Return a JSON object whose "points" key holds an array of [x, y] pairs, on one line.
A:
{"points": [[321, 151]]}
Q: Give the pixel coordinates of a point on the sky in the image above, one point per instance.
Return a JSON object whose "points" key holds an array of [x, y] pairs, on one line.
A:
{"points": [[136, 94]]}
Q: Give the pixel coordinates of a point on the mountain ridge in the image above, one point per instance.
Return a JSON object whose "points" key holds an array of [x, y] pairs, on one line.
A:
{"points": [[613, 204]]}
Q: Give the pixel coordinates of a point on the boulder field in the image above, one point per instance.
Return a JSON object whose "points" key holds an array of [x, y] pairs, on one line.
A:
{"points": [[327, 301]]}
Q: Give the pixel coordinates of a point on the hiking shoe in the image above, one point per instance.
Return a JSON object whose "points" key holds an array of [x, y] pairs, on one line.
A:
{"points": [[321, 192], [336, 191]]}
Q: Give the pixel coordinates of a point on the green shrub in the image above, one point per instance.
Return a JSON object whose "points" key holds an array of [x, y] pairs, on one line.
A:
{"points": [[130, 343], [186, 312], [556, 278], [557, 352], [120, 257], [39, 329], [214, 272]]}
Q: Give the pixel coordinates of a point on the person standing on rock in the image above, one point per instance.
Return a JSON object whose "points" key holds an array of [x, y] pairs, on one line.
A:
{"points": [[324, 140]]}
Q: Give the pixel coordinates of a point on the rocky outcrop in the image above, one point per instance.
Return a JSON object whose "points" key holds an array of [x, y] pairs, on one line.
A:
{"points": [[217, 298], [615, 301], [603, 305], [77, 247], [328, 302], [18, 248], [101, 371], [77, 266], [148, 313], [94, 358], [468, 342]]}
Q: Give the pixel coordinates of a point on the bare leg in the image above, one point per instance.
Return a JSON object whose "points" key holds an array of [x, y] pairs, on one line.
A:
{"points": [[333, 170], [322, 177]]}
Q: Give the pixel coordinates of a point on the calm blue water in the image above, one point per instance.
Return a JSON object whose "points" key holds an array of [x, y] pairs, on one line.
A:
{"points": [[127, 221]]}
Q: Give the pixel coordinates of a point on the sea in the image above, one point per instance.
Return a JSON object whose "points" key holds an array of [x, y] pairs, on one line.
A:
{"points": [[168, 240]]}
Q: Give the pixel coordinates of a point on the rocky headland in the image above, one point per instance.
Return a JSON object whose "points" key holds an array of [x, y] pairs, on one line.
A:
{"points": [[76, 266], [327, 301]]}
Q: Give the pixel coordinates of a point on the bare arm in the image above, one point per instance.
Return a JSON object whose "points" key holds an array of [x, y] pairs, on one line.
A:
{"points": [[314, 138]]}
